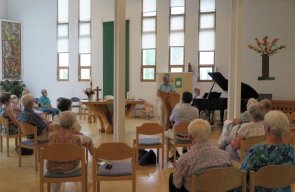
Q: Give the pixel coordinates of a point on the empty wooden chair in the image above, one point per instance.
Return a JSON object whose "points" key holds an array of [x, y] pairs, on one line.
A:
{"points": [[150, 143], [273, 176], [246, 144], [219, 180], [26, 129], [62, 153], [4, 124], [113, 152], [181, 138]]}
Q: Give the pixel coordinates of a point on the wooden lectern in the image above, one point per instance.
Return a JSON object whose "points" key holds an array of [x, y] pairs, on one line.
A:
{"points": [[169, 100]]}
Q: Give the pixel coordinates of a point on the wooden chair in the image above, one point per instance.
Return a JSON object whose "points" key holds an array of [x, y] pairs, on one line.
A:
{"points": [[246, 144], [147, 111], [219, 180], [62, 153], [26, 129], [120, 170], [4, 124], [273, 176], [150, 143], [76, 103], [181, 138]]}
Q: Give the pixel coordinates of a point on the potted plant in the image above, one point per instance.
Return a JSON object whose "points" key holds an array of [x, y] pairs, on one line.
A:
{"points": [[15, 87]]}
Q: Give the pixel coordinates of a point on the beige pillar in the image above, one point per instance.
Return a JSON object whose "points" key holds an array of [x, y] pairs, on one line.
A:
{"points": [[119, 72]]}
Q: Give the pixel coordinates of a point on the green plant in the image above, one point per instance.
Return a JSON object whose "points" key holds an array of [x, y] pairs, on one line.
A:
{"points": [[15, 87]]}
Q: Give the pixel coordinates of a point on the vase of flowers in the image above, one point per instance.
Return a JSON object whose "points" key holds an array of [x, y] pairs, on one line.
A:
{"points": [[89, 92], [266, 48]]}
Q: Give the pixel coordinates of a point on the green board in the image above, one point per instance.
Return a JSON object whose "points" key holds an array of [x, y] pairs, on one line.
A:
{"points": [[108, 58]]}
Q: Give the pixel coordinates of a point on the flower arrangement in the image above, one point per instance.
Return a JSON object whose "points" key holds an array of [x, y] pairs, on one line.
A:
{"points": [[89, 91], [265, 46]]}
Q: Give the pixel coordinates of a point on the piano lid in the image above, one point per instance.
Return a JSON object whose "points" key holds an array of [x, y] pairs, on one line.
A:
{"points": [[246, 90]]}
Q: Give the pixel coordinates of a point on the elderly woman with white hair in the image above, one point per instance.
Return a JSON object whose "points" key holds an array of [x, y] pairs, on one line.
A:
{"points": [[274, 150], [254, 128], [200, 157], [64, 135]]}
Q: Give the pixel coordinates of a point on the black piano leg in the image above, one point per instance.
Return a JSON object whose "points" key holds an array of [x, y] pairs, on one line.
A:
{"points": [[221, 116]]}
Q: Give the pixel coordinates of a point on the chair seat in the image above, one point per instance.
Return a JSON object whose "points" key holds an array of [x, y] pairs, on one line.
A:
{"points": [[31, 142], [149, 141], [76, 173], [118, 169]]}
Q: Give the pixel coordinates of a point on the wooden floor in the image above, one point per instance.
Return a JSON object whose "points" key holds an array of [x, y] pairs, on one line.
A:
{"points": [[26, 179]]}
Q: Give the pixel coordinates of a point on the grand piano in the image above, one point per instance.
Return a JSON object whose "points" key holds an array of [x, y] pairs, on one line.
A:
{"points": [[212, 100]]}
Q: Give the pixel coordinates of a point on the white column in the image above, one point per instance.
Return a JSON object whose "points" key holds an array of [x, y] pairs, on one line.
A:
{"points": [[119, 72], [234, 69]]}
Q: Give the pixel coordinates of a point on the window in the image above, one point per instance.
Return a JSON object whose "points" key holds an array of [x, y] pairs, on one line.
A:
{"points": [[176, 39], [206, 39], [148, 40], [63, 40], [84, 40]]}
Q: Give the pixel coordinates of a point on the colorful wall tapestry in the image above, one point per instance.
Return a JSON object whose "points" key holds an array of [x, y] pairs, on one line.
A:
{"points": [[11, 49]]}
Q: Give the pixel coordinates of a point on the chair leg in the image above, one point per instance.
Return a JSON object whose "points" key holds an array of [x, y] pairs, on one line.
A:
{"points": [[162, 156], [36, 159], [7, 146], [1, 143], [48, 187], [134, 184], [98, 186], [19, 157]]}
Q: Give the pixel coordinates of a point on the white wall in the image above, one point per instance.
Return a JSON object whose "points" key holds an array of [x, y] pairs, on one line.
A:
{"points": [[263, 17], [3, 9]]}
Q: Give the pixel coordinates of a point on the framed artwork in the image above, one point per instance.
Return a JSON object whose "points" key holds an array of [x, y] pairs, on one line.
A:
{"points": [[11, 49]]}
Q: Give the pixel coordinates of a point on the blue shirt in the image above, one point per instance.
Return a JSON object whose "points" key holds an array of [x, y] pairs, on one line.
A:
{"points": [[45, 101], [29, 116], [167, 88], [261, 155]]}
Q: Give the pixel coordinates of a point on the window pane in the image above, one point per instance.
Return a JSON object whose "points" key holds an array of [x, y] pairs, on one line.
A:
{"points": [[207, 21], [62, 30], [176, 69], [176, 55], [62, 44], [84, 29], [85, 74], [85, 60], [63, 11], [148, 74], [177, 10], [207, 5], [177, 23], [177, 3], [149, 6], [206, 58], [149, 57], [148, 41], [149, 25], [204, 73], [206, 40], [85, 10], [63, 74], [176, 39], [63, 59], [84, 45]]}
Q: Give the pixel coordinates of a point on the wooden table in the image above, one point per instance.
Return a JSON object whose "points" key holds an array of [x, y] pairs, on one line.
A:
{"points": [[105, 115]]}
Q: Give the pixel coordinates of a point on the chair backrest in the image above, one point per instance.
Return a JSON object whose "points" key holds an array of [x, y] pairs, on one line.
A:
{"points": [[4, 122], [63, 152], [113, 151], [273, 176], [219, 180], [150, 129], [27, 129], [181, 127], [75, 99], [247, 143]]}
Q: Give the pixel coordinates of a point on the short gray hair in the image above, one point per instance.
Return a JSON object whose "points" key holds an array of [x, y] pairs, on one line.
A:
{"points": [[256, 112], [43, 91], [250, 102], [199, 129], [26, 99], [277, 122], [67, 119], [266, 104], [25, 91]]}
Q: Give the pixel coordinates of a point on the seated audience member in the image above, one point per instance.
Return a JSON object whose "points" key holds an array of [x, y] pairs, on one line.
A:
{"points": [[45, 104], [29, 116], [197, 93], [274, 151], [183, 112], [66, 105], [64, 135], [6, 111], [254, 128], [200, 157], [266, 104], [15, 105], [230, 127]]}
